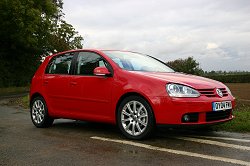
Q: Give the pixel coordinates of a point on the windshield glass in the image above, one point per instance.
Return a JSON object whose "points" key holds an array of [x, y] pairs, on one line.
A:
{"points": [[137, 62]]}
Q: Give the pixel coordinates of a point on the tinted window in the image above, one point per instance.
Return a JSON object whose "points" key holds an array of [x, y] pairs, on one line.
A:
{"points": [[87, 62], [60, 64]]}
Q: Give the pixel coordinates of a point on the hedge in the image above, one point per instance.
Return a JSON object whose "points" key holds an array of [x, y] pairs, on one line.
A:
{"points": [[234, 78]]}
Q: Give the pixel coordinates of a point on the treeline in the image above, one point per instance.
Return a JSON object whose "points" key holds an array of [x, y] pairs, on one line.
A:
{"points": [[220, 72], [231, 78], [190, 66]]}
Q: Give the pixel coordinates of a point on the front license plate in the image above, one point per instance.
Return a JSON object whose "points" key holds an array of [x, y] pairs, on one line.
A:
{"points": [[220, 106]]}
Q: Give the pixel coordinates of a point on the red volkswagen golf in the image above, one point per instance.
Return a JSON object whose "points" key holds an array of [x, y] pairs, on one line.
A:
{"points": [[134, 91]]}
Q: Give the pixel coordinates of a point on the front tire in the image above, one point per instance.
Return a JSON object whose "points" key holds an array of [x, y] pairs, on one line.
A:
{"points": [[39, 113], [135, 118]]}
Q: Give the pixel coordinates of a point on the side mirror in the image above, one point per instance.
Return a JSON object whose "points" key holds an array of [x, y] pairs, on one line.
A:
{"points": [[101, 71]]}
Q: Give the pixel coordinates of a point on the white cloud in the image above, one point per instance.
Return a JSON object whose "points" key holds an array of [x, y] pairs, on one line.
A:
{"points": [[213, 32], [212, 46]]}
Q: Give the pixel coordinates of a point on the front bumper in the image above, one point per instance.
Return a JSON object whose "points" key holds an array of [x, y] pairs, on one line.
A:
{"points": [[169, 110]]}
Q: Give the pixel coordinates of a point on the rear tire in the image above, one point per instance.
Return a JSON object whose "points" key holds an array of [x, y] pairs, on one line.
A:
{"points": [[135, 118], [39, 113]]}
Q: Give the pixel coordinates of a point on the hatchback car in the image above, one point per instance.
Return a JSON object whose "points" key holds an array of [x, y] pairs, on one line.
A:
{"points": [[133, 90]]}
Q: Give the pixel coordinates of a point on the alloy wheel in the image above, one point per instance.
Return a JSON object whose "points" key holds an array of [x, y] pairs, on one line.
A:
{"points": [[38, 111], [134, 118]]}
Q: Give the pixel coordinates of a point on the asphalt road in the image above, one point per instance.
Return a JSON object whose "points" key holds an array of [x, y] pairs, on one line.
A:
{"points": [[71, 142]]}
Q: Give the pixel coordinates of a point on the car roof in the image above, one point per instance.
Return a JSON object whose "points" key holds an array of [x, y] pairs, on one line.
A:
{"points": [[93, 50]]}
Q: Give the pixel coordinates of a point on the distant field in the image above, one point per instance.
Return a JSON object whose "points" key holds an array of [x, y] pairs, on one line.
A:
{"points": [[241, 91]]}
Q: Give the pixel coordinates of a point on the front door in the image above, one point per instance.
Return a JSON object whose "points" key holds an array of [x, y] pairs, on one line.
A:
{"points": [[92, 92]]}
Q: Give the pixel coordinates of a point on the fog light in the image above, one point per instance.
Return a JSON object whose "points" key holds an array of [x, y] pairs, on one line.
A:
{"points": [[190, 117], [186, 118]]}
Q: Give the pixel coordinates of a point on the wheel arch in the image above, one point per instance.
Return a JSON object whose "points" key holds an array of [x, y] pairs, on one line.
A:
{"points": [[34, 95]]}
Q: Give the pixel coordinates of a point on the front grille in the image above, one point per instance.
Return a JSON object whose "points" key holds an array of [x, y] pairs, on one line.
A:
{"points": [[211, 92], [224, 91], [218, 115], [207, 92]]}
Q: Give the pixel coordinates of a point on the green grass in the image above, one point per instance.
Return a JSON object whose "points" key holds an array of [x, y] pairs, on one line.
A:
{"points": [[19, 101], [241, 122], [13, 90], [25, 101]]}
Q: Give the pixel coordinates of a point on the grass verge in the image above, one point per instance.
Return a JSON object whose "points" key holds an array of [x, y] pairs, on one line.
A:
{"points": [[241, 122], [13, 90], [25, 101], [20, 101]]}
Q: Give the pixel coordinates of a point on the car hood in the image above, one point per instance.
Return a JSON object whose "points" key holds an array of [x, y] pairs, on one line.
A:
{"points": [[196, 82]]}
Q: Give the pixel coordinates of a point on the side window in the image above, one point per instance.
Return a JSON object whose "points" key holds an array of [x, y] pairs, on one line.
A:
{"points": [[87, 62], [60, 64]]}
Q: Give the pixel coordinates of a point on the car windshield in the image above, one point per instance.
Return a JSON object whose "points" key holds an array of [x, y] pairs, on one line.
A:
{"points": [[137, 62]]}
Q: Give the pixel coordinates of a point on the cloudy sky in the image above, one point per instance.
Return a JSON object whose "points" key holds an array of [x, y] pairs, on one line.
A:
{"points": [[215, 32]]}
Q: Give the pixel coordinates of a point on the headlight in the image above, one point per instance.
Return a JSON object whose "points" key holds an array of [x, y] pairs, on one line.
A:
{"points": [[177, 90], [229, 91]]}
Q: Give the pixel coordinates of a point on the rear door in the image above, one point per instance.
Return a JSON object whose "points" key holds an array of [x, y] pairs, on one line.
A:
{"points": [[57, 83]]}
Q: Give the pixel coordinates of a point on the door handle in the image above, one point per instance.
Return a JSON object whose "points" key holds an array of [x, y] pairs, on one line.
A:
{"points": [[45, 82], [73, 83]]}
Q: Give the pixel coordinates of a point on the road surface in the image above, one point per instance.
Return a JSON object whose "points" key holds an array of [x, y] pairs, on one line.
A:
{"points": [[70, 142]]}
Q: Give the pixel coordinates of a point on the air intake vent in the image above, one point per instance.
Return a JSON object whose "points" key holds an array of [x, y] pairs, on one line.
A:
{"points": [[217, 115]]}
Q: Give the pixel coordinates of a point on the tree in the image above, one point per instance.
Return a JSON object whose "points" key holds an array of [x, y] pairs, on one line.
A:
{"points": [[189, 66], [64, 37], [29, 29]]}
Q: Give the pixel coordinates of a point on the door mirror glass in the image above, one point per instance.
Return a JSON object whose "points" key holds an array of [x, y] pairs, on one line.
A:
{"points": [[101, 71]]}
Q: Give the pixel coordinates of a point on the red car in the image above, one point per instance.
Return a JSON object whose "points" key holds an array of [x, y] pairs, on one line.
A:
{"points": [[134, 91]]}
